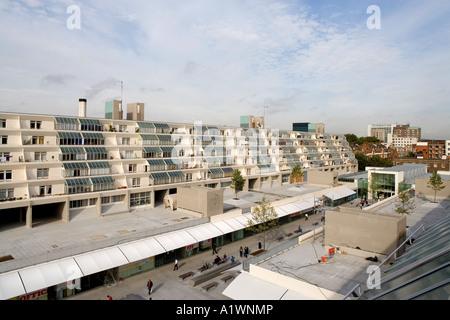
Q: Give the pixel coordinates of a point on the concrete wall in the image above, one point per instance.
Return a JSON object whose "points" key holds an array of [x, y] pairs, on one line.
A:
{"points": [[323, 178], [370, 231], [204, 200], [422, 190]]}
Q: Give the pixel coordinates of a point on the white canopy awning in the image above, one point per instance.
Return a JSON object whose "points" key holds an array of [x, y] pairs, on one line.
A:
{"points": [[293, 207], [204, 232], [49, 274], [224, 227], [100, 260], [247, 287], [10, 285], [174, 240], [339, 194], [141, 249], [235, 224], [243, 219]]}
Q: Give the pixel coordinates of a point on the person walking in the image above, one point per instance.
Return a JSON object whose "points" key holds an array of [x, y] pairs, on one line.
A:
{"points": [[214, 251], [149, 286], [175, 267], [306, 216], [241, 252]]}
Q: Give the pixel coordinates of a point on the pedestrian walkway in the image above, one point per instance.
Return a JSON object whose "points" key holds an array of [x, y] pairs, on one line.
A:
{"points": [[166, 282]]}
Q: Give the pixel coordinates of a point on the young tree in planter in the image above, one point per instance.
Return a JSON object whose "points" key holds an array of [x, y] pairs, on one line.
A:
{"points": [[237, 182], [374, 186], [435, 183], [263, 218], [405, 204], [296, 172]]}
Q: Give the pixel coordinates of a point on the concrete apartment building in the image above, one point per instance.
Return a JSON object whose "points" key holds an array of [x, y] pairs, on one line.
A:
{"points": [[432, 149], [407, 131], [252, 122], [382, 132], [56, 165], [308, 127], [402, 137]]}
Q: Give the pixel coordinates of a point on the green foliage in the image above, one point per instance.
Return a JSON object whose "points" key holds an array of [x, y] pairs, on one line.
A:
{"points": [[296, 172], [237, 181], [374, 186], [352, 138], [263, 219], [435, 183], [375, 161], [405, 204]]}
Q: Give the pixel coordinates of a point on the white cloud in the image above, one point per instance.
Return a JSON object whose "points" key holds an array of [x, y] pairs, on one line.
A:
{"points": [[218, 60]]}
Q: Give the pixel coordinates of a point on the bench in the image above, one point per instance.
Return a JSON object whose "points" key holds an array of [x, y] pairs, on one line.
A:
{"points": [[209, 286], [226, 278], [201, 269], [185, 275], [212, 273], [222, 261]]}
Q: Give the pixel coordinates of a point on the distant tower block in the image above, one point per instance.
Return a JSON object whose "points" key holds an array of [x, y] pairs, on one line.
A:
{"points": [[82, 104], [113, 110], [135, 111], [252, 122]]}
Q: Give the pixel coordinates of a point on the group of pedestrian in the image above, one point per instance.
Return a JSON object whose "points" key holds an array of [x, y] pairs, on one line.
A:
{"points": [[243, 252], [362, 202]]}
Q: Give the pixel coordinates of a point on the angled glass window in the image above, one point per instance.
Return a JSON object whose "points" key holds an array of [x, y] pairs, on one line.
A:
{"points": [[62, 123], [72, 153], [96, 153], [90, 124]]}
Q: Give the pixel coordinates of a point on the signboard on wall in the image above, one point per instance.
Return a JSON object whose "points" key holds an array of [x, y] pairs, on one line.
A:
{"points": [[37, 295]]}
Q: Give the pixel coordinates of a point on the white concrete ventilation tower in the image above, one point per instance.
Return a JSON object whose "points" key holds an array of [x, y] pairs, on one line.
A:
{"points": [[82, 105]]}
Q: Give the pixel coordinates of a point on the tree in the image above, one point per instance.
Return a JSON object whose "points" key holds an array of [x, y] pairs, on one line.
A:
{"points": [[263, 218], [363, 160], [374, 186], [351, 138], [297, 172], [375, 161], [405, 204], [435, 183], [237, 182]]}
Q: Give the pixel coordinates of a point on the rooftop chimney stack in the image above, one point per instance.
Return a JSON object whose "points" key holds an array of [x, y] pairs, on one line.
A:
{"points": [[82, 108]]}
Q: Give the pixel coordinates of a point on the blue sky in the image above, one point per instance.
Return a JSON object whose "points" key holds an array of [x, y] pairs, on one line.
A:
{"points": [[213, 61]]}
